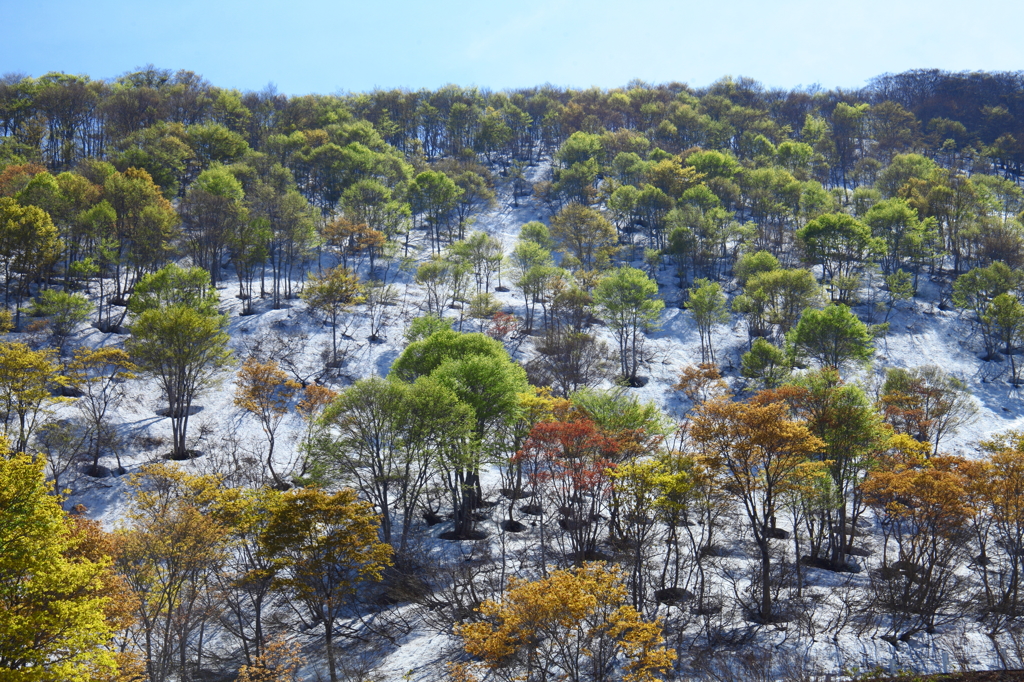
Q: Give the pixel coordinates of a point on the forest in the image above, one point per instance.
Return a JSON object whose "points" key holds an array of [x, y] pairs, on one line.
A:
{"points": [[649, 383]]}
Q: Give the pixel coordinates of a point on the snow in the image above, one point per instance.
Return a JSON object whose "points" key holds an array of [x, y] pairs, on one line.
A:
{"points": [[920, 334]]}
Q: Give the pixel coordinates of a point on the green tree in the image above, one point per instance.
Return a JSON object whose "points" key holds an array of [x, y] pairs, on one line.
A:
{"points": [[332, 294], [765, 364], [478, 371], [29, 246], [627, 301], [776, 298], [1005, 315], [424, 326], [386, 437], [975, 290], [832, 337], [53, 595], [839, 243], [708, 304], [173, 285], [212, 211], [65, 311], [183, 349], [585, 234], [434, 196]]}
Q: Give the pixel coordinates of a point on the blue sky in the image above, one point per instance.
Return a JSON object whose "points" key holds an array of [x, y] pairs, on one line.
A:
{"points": [[307, 46]]}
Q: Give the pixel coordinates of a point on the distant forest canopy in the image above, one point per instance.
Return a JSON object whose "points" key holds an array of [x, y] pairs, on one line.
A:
{"points": [[116, 177], [60, 119]]}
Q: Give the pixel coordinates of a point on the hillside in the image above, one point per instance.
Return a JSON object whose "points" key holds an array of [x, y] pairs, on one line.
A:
{"points": [[889, 538]]}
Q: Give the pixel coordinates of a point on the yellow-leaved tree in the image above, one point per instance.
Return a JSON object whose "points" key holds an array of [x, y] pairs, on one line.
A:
{"points": [[54, 594], [322, 545], [574, 623]]}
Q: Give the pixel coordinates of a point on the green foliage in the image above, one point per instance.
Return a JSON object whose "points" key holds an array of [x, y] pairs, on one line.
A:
{"points": [[765, 364], [173, 285], [627, 300], [754, 263], [65, 311], [776, 298], [183, 349], [422, 357], [839, 243], [832, 337], [537, 232], [585, 234], [707, 302], [424, 326], [53, 596]]}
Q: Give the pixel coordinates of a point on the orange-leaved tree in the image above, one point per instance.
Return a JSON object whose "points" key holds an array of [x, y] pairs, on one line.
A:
{"points": [[921, 504], [574, 623], [762, 455], [264, 391]]}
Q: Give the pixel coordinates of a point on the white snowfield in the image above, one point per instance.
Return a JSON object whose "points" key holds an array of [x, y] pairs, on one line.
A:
{"points": [[230, 439]]}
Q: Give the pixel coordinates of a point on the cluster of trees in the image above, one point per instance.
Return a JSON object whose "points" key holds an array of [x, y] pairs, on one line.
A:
{"points": [[800, 212]]}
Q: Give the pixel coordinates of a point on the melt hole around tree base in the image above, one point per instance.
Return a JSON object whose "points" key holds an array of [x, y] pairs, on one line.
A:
{"points": [[515, 493], [458, 537], [189, 454], [512, 526], [672, 596], [166, 411], [432, 518]]}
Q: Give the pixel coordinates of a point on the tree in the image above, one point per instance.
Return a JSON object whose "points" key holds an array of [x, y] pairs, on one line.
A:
{"points": [[29, 246], [708, 305], [626, 300], [143, 224], [434, 196], [574, 623], [761, 453], [173, 285], [1005, 315], [212, 211], [100, 374], [323, 545], [423, 327], [839, 243], [922, 507], [54, 593], [776, 299], [264, 391], [330, 295], [832, 337], [386, 438], [27, 381], [478, 371], [926, 403], [65, 310], [183, 349], [168, 556], [996, 490], [976, 289], [585, 234], [765, 364]]}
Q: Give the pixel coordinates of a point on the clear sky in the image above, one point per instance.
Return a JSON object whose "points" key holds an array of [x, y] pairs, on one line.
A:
{"points": [[305, 46]]}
